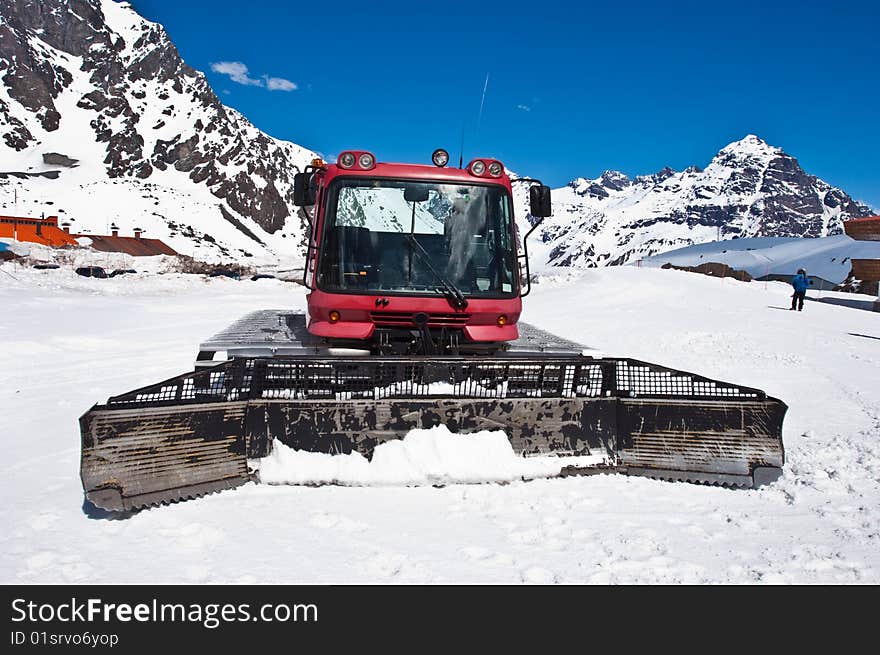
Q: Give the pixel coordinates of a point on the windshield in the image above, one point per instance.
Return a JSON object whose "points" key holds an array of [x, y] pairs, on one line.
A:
{"points": [[386, 236]]}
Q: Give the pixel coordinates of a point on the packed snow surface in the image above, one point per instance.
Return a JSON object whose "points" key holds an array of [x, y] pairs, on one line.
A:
{"points": [[69, 342], [424, 457]]}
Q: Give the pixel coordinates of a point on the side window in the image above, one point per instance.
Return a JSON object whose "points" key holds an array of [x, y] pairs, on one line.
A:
{"points": [[311, 248], [506, 258]]}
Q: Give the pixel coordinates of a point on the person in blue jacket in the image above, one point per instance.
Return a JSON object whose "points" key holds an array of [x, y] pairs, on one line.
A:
{"points": [[800, 282]]}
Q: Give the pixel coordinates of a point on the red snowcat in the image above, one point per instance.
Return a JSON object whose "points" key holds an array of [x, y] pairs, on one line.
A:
{"points": [[415, 277]]}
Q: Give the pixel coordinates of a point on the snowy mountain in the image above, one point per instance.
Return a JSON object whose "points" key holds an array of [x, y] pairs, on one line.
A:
{"points": [[749, 189], [101, 121]]}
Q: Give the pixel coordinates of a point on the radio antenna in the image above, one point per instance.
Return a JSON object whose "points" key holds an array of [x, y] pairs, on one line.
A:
{"points": [[461, 148], [479, 119], [482, 101]]}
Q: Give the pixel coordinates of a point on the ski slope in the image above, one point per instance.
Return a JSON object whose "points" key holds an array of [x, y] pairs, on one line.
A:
{"points": [[69, 342]]}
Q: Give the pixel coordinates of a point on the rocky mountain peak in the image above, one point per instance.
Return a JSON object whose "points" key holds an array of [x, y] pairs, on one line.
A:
{"points": [[94, 81], [656, 178], [614, 180], [750, 142], [750, 188], [750, 150], [609, 181]]}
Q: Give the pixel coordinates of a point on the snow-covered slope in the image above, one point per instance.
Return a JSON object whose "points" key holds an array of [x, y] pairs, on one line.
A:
{"points": [[101, 121], [828, 257], [817, 524], [749, 189]]}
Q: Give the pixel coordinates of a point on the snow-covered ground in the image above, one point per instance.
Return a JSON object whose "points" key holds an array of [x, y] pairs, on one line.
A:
{"points": [[69, 342]]}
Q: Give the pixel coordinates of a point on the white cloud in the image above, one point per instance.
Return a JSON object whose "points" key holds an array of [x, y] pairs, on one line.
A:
{"points": [[524, 107], [238, 72], [279, 84]]}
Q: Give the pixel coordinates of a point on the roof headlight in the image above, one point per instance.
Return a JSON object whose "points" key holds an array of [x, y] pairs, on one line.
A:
{"points": [[496, 169], [440, 157], [366, 160], [346, 160], [478, 167]]}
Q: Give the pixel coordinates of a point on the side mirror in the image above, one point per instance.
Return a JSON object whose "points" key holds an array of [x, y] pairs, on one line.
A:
{"points": [[539, 201], [303, 192]]}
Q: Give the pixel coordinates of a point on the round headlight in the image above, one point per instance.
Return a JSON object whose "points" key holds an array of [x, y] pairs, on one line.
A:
{"points": [[346, 159], [440, 157], [496, 169], [478, 167], [366, 160]]}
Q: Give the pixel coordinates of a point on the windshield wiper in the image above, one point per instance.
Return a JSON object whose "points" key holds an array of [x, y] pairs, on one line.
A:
{"points": [[452, 294]]}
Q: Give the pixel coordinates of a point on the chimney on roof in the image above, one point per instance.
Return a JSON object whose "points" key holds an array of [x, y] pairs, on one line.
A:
{"points": [[137, 232], [114, 230], [66, 227]]}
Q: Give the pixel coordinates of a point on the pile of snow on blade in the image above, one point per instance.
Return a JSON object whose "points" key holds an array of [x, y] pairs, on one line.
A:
{"points": [[423, 457]]}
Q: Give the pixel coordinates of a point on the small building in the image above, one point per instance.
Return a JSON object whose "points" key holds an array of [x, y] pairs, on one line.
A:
{"points": [[136, 246], [44, 231], [715, 269], [865, 229], [817, 283]]}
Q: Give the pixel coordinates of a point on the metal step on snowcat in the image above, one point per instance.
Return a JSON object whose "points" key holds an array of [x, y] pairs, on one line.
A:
{"points": [[194, 434]]}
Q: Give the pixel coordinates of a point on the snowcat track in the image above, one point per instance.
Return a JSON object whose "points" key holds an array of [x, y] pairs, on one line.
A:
{"points": [[765, 475], [193, 434]]}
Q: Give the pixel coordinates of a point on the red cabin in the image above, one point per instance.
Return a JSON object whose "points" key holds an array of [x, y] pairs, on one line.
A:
{"points": [[413, 258]]}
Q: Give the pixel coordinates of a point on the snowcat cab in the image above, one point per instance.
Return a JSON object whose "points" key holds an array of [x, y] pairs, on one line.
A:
{"points": [[413, 259], [415, 280]]}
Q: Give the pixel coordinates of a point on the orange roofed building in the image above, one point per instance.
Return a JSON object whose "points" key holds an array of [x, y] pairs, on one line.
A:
{"points": [[44, 231]]}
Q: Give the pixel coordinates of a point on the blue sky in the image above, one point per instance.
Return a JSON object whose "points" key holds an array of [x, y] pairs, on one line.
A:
{"points": [[573, 89]]}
